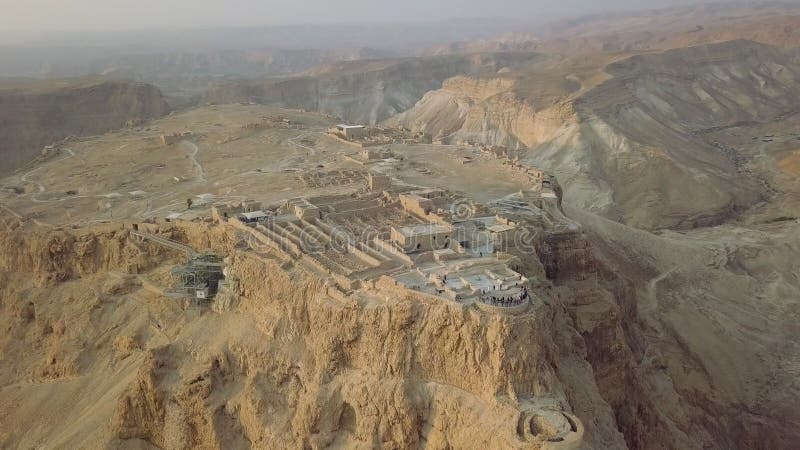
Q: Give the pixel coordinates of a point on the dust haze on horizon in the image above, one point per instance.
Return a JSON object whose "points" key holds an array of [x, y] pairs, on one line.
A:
{"points": [[85, 15]]}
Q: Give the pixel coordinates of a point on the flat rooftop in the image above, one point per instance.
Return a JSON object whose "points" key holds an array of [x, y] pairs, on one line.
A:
{"points": [[424, 229], [348, 127], [414, 196], [467, 277], [254, 215], [499, 228]]}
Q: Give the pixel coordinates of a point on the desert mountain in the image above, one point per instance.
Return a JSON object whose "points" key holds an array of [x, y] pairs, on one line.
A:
{"points": [[631, 136], [35, 113], [774, 23], [362, 91]]}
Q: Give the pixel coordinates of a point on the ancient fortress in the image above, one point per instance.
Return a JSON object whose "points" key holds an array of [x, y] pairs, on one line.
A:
{"points": [[391, 237]]}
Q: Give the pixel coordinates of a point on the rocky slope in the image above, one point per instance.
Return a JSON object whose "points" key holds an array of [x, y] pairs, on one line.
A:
{"points": [[781, 31], [772, 23], [288, 368], [38, 113], [627, 349], [707, 319], [365, 91], [485, 110], [629, 140]]}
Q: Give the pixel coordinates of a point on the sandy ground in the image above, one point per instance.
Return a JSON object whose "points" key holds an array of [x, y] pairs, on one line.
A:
{"points": [[130, 175]]}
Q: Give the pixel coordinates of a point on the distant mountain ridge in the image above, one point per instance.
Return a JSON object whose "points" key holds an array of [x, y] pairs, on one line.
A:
{"points": [[34, 113]]}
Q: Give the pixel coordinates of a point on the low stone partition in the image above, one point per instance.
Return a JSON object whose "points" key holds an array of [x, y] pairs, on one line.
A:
{"points": [[353, 143], [284, 243], [349, 214], [387, 248], [265, 236], [372, 252], [342, 280], [387, 284], [507, 309], [363, 256], [502, 303]]}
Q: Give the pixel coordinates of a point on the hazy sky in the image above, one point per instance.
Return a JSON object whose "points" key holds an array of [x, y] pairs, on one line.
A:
{"points": [[51, 15]]}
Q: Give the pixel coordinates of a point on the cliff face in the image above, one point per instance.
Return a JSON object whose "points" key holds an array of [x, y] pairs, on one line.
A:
{"points": [[630, 143], [363, 92], [484, 110], [625, 348], [687, 299], [35, 116], [290, 367]]}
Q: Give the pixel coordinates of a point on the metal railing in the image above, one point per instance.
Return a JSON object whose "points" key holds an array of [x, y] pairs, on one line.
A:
{"points": [[165, 242]]}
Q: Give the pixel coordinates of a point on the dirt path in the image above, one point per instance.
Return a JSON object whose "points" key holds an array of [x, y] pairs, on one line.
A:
{"points": [[652, 289], [40, 187], [201, 174], [311, 151]]}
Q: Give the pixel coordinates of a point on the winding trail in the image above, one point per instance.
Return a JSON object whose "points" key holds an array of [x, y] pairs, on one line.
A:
{"points": [[651, 303], [193, 158], [652, 289], [40, 187], [293, 141]]}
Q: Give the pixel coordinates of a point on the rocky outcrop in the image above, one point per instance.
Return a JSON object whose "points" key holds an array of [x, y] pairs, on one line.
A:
{"points": [[290, 367], [621, 350], [633, 146], [484, 110], [659, 339], [42, 113]]}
